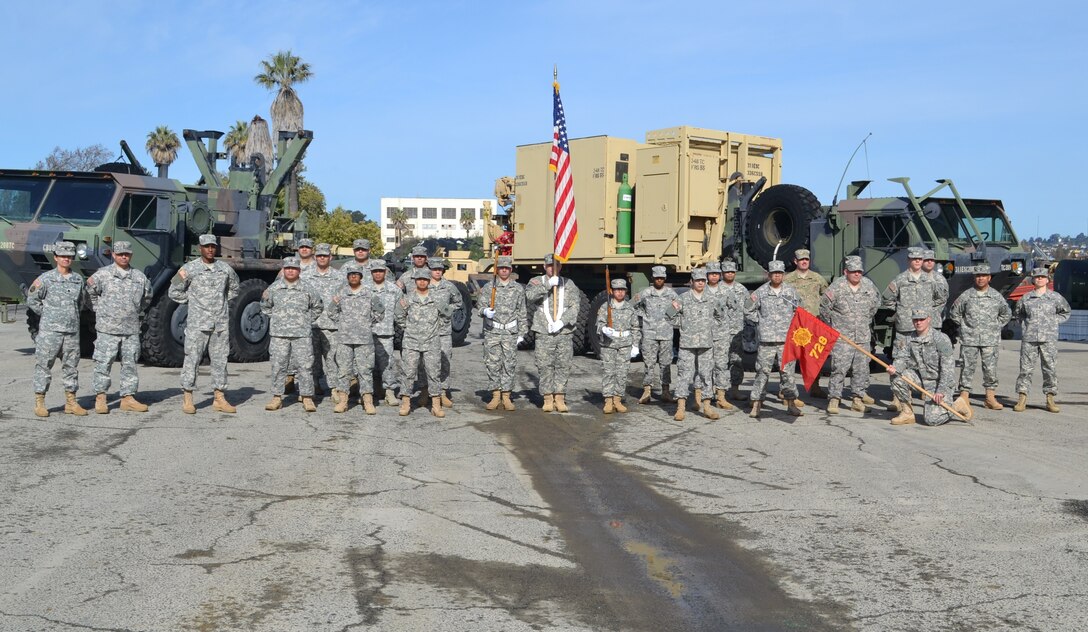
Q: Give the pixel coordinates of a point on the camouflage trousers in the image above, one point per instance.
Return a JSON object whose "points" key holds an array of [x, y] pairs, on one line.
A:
{"points": [[970, 357], [325, 361], [932, 414], [615, 365], [554, 355], [657, 356], [768, 358], [728, 366], [386, 363], [48, 346], [355, 361], [106, 349], [846, 359], [217, 344], [693, 366], [500, 360], [447, 359], [1047, 352], [429, 362], [292, 352]]}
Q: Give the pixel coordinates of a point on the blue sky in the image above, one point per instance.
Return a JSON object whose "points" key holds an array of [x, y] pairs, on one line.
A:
{"points": [[430, 99]]}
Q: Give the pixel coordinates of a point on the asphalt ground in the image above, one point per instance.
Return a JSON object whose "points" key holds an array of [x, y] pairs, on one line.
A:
{"points": [[533, 521]]}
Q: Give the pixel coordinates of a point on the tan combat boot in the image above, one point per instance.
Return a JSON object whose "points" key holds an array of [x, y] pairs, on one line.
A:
{"points": [[507, 403], [128, 403], [858, 405], [698, 399], [368, 403], [645, 397], [709, 412], [608, 405], [72, 407], [756, 407], [905, 416], [965, 396], [496, 401], [719, 400], [617, 401], [436, 407], [405, 406], [797, 403], [833, 406], [337, 394], [446, 401], [1051, 406], [681, 404], [1021, 403], [390, 397], [341, 404], [39, 405], [793, 407], [187, 405], [100, 406], [868, 401], [308, 405], [220, 403], [561, 403], [549, 404], [275, 403], [991, 400]]}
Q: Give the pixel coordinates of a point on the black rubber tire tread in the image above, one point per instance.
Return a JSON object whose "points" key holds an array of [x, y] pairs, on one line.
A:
{"points": [[529, 342], [242, 350], [157, 344], [460, 335], [801, 206], [580, 335], [592, 339]]}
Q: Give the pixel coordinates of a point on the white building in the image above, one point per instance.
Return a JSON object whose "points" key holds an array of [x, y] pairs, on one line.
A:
{"points": [[433, 217]]}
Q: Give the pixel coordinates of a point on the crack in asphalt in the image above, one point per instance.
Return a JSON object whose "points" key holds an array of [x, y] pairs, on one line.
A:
{"points": [[975, 604], [498, 536], [70, 624], [699, 470], [861, 442], [937, 462]]}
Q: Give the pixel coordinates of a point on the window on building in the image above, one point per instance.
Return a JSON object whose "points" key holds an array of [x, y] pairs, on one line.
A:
{"points": [[430, 227], [390, 239], [389, 210], [391, 226], [468, 211], [429, 212], [411, 212], [449, 213]]}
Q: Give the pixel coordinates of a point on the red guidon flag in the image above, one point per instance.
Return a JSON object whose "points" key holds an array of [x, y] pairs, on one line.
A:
{"points": [[809, 341]]}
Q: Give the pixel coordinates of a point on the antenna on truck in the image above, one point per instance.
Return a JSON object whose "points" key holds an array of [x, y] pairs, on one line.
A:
{"points": [[847, 167]]}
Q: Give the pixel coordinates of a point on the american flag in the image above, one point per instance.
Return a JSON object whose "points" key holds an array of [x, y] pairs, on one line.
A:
{"points": [[566, 223]]}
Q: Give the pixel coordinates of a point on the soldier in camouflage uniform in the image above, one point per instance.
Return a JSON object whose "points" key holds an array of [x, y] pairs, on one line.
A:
{"points": [[926, 358], [386, 363], [980, 313], [419, 314], [306, 258], [657, 355], [733, 325], [731, 311], [325, 280], [619, 344], [695, 313], [355, 308], [505, 325], [119, 296], [770, 308], [57, 297], [207, 286], [292, 307], [362, 260], [419, 262], [447, 289], [554, 326], [929, 264], [811, 287], [1040, 312], [911, 289], [849, 306]]}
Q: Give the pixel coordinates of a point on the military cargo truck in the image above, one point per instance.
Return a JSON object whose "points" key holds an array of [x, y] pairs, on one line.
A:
{"points": [[697, 195], [162, 218]]}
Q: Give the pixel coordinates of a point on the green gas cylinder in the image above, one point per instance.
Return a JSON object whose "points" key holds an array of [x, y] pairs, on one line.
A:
{"points": [[624, 219]]}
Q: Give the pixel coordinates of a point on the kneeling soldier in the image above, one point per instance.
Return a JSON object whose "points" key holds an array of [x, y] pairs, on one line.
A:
{"points": [[355, 308], [926, 358], [292, 307], [618, 322]]}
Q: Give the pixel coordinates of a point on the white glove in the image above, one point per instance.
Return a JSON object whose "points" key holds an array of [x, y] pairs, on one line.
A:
{"points": [[555, 327], [634, 352], [553, 281], [608, 331], [489, 312], [625, 334], [521, 339]]}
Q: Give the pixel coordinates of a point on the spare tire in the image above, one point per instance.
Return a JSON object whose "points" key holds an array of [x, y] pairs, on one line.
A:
{"points": [[585, 322], [163, 339], [461, 320], [780, 214], [592, 339]]}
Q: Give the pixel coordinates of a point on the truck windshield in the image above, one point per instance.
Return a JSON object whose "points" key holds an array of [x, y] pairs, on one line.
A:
{"points": [[950, 224], [21, 197], [77, 202]]}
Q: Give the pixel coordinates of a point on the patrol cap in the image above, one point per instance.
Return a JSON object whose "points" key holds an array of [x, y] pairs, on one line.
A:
{"points": [[713, 266], [914, 252], [356, 271], [436, 263], [291, 262], [1037, 272], [420, 273], [929, 254], [122, 247], [729, 266], [419, 251], [360, 243], [619, 284], [64, 249], [323, 249], [801, 253], [776, 266], [983, 269], [378, 264], [698, 274], [549, 259], [658, 272], [208, 240], [919, 314], [853, 264], [305, 242], [505, 262]]}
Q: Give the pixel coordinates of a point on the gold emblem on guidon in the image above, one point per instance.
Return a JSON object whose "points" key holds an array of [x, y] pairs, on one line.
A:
{"points": [[802, 337]]}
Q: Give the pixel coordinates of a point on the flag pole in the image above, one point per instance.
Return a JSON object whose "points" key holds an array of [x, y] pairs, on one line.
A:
{"points": [[555, 289], [910, 383]]}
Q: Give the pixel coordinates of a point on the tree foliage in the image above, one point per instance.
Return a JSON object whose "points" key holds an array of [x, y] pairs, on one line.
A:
{"points": [[281, 72], [162, 145], [78, 159], [235, 141], [340, 229]]}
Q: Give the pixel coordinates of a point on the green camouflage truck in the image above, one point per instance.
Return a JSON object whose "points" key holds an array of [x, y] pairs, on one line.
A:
{"points": [[162, 218]]}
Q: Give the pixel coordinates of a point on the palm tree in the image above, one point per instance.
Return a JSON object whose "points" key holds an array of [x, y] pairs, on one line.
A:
{"points": [[281, 72], [162, 145], [235, 141], [259, 141], [399, 219], [468, 220]]}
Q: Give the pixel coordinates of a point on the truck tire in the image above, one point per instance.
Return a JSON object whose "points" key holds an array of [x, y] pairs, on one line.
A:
{"points": [[462, 319], [529, 342], [593, 341], [248, 326], [782, 212], [585, 323], [163, 339]]}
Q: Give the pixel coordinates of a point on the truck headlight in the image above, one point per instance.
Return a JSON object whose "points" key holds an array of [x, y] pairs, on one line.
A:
{"points": [[1017, 267], [81, 251]]}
